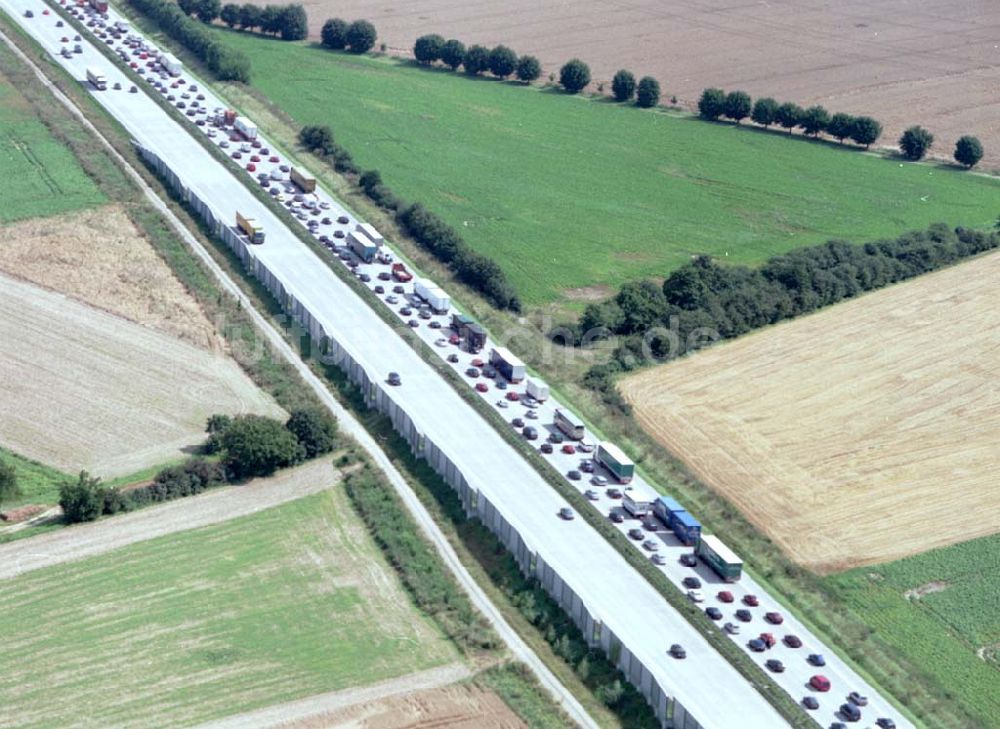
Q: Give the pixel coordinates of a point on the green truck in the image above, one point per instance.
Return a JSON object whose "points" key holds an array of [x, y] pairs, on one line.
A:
{"points": [[720, 558]]}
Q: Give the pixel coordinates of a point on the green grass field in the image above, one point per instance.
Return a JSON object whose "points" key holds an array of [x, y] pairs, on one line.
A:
{"points": [[290, 602], [952, 633], [39, 483], [566, 192], [41, 176]]}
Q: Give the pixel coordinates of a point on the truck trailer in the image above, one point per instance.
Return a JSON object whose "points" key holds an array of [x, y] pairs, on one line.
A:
{"points": [[611, 457], [720, 558], [678, 520], [434, 295], [363, 248], [96, 78], [170, 64], [537, 389], [635, 506], [100, 6], [251, 228], [473, 334], [245, 127], [303, 181], [507, 364], [369, 230]]}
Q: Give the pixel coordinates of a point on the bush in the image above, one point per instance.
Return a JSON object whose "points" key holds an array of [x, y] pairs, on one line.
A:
{"points": [[83, 499], [360, 36], [712, 103], [477, 60], [427, 48], [648, 94], [623, 85], [294, 23], [574, 76], [737, 106], [317, 139], [9, 488], [334, 34], [314, 429], [453, 53], [915, 143], [865, 130], [258, 446], [528, 69], [502, 62], [968, 151]]}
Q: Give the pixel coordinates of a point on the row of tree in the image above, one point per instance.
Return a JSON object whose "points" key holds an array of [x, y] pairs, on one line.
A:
{"points": [[704, 301], [427, 229], [646, 92], [356, 37], [226, 63], [476, 60], [289, 22], [247, 445]]}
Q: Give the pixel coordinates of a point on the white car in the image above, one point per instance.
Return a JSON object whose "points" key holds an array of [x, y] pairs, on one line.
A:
{"points": [[696, 595], [599, 480], [502, 404], [442, 342], [732, 628], [531, 415], [585, 446]]}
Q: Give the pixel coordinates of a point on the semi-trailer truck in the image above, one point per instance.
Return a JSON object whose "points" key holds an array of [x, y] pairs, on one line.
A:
{"points": [[507, 364], [96, 78], [434, 295], [245, 127], [678, 520], [473, 334], [170, 64], [369, 230], [251, 228], [100, 6], [363, 248], [610, 456], [720, 558], [635, 506], [303, 181]]}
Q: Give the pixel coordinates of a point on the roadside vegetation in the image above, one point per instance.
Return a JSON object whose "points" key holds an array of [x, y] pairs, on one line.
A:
{"points": [[29, 482], [678, 188]]}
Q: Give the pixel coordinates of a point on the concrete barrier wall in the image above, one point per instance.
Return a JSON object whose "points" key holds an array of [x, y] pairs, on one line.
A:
{"points": [[670, 712]]}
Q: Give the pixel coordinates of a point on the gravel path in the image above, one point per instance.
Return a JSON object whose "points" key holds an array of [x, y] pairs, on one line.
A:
{"points": [[211, 507], [314, 706]]}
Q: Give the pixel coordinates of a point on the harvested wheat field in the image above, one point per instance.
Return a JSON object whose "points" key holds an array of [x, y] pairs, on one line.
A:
{"points": [[934, 64], [100, 258], [860, 434], [83, 389]]}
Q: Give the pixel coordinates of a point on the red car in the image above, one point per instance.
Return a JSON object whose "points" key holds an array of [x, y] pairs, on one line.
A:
{"points": [[725, 596], [774, 618], [820, 683], [768, 639], [512, 396], [256, 144], [569, 449], [65, 39], [477, 362], [751, 600], [482, 387], [454, 339], [793, 641], [274, 159], [251, 167]]}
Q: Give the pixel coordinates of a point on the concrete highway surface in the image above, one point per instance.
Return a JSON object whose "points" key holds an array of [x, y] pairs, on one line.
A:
{"points": [[612, 590]]}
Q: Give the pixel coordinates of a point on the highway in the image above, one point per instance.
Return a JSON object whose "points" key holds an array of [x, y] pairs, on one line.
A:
{"points": [[615, 592]]}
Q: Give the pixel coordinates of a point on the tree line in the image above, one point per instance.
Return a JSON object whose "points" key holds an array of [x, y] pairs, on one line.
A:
{"points": [[226, 63], [243, 447], [356, 37], [473, 269], [705, 301], [501, 61], [289, 22]]}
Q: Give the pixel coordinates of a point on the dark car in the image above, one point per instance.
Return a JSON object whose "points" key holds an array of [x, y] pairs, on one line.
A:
{"points": [[556, 437], [587, 466], [453, 358], [343, 220], [793, 641], [884, 723], [677, 651], [338, 234], [398, 289], [692, 583], [425, 314], [414, 323], [688, 559], [744, 615], [435, 325], [501, 384], [473, 372], [816, 659], [377, 289], [406, 311], [636, 534], [751, 600], [573, 475], [616, 516], [614, 493], [713, 613], [810, 702], [530, 433], [546, 448], [517, 423], [364, 278], [756, 645], [850, 712], [394, 379], [775, 665]]}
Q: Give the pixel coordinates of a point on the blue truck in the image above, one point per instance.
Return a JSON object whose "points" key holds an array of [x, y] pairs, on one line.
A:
{"points": [[684, 526]]}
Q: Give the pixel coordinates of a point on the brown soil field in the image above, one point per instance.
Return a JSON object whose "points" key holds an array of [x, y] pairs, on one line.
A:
{"points": [[861, 434], [81, 388], [460, 706], [100, 258], [904, 62]]}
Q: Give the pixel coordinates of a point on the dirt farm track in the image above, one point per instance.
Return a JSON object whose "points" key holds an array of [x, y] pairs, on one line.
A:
{"points": [[903, 61], [860, 434]]}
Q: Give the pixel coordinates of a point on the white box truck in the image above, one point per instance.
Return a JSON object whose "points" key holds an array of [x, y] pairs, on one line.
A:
{"points": [[170, 64], [538, 390], [369, 230], [97, 79], [245, 127], [435, 296]]}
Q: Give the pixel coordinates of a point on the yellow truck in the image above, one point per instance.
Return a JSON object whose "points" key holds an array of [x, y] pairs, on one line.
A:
{"points": [[251, 228]]}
